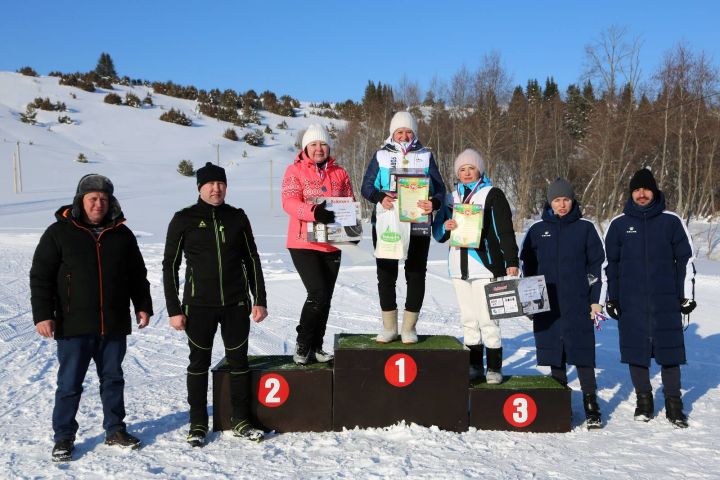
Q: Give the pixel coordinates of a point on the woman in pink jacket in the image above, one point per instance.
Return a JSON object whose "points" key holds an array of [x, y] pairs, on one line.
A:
{"points": [[313, 174]]}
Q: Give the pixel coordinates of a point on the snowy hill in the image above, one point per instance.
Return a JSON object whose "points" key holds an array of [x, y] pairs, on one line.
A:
{"points": [[140, 154]]}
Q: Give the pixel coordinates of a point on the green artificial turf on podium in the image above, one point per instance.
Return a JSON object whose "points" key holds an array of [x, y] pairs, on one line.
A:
{"points": [[275, 362], [520, 382], [366, 341]]}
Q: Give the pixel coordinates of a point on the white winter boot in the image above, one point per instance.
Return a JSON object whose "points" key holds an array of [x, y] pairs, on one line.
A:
{"points": [[408, 334], [390, 327]]}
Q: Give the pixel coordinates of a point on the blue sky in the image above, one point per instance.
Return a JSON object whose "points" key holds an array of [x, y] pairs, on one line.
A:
{"points": [[328, 50]]}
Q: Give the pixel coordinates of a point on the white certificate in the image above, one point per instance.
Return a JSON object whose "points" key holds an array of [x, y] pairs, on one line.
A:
{"points": [[345, 211]]}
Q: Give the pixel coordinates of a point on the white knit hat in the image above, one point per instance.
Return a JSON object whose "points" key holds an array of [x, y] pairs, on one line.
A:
{"points": [[314, 133], [470, 157], [403, 120]]}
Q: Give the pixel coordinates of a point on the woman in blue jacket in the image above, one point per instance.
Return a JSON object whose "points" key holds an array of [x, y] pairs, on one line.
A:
{"points": [[402, 152], [567, 249]]}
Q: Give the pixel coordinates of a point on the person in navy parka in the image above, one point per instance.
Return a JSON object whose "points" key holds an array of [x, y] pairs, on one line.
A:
{"points": [[650, 277], [568, 251]]}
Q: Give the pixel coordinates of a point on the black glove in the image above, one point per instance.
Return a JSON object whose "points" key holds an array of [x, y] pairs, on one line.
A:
{"points": [[687, 305], [612, 309], [323, 215]]}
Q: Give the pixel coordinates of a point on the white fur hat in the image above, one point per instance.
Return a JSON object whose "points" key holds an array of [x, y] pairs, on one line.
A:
{"points": [[314, 133], [403, 120], [470, 157]]}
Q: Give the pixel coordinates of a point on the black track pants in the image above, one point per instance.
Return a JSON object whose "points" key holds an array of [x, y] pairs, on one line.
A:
{"points": [[415, 268], [586, 375], [202, 323], [318, 272], [670, 375]]}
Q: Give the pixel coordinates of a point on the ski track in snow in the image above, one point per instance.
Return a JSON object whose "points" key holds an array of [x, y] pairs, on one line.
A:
{"points": [[157, 412]]}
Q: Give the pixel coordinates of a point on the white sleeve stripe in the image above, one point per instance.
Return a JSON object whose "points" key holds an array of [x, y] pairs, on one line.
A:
{"points": [[522, 242], [603, 277], [689, 286]]}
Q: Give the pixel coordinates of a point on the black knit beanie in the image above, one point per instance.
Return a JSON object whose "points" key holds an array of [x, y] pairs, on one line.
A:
{"points": [[644, 178], [210, 173]]}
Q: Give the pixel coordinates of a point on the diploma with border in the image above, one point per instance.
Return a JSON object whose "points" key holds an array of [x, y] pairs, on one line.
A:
{"points": [[469, 219], [410, 191]]}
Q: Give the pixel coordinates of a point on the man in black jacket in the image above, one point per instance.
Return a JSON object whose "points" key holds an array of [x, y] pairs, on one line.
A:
{"points": [[86, 269], [223, 286]]}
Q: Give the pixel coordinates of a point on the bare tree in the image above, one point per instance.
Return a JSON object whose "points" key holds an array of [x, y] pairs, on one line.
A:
{"points": [[486, 125], [408, 92]]}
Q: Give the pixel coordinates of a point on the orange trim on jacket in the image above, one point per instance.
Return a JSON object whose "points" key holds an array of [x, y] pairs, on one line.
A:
{"points": [[99, 261]]}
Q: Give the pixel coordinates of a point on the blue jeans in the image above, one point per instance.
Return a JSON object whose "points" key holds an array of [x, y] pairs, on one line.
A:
{"points": [[74, 355]]}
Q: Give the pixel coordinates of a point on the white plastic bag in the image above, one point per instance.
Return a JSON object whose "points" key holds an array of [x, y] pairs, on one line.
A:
{"points": [[393, 236]]}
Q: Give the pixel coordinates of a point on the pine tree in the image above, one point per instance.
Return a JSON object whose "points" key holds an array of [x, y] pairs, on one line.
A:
{"points": [[105, 66], [551, 88], [29, 115]]}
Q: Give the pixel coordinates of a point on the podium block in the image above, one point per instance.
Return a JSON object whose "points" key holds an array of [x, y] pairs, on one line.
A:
{"points": [[284, 397], [532, 403], [377, 385]]}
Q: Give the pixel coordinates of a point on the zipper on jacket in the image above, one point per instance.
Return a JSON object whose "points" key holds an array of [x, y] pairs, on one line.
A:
{"points": [[102, 309], [647, 282], [100, 276], [68, 278], [217, 244], [192, 283]]}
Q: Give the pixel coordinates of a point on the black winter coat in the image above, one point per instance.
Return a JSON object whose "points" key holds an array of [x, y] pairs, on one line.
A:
{"points": [[569, 253], [650, 270], [222, 262], [86, 283]]}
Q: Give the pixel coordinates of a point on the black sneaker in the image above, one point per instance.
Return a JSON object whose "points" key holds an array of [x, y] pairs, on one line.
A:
{"points": [[196, 436], [122, 438], [302, 354], [62, 451], [244, 429], [322, 356]]}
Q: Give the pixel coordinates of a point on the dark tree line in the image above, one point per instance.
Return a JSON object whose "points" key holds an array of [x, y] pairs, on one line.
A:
{"points": [[595, 134]]}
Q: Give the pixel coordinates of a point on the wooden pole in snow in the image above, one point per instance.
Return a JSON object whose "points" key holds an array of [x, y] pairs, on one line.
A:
{"points": [[271, 186], [19, 168], [14, 169]]}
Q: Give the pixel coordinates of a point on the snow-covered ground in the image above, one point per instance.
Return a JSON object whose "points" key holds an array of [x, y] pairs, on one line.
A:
{"points": [[140, 154]]}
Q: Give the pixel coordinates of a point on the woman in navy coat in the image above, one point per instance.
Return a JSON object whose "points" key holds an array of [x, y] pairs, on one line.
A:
{"points": [[567, 249]]}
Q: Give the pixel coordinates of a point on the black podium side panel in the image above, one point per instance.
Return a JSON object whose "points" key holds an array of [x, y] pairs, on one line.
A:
{"points": [[284, 397], [521, 403], [437, 395]]}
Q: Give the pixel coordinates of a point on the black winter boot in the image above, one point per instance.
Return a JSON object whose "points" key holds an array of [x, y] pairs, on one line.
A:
{"points": [[494, 366], [645, 408], [476, 361], [592, 411], [674, 412]]}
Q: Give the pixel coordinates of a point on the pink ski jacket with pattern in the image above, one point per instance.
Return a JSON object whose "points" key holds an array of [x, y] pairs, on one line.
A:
{"points": [[302, 182]]}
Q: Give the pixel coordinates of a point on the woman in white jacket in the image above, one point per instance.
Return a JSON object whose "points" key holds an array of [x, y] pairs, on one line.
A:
{"points": [[473, 268]]}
